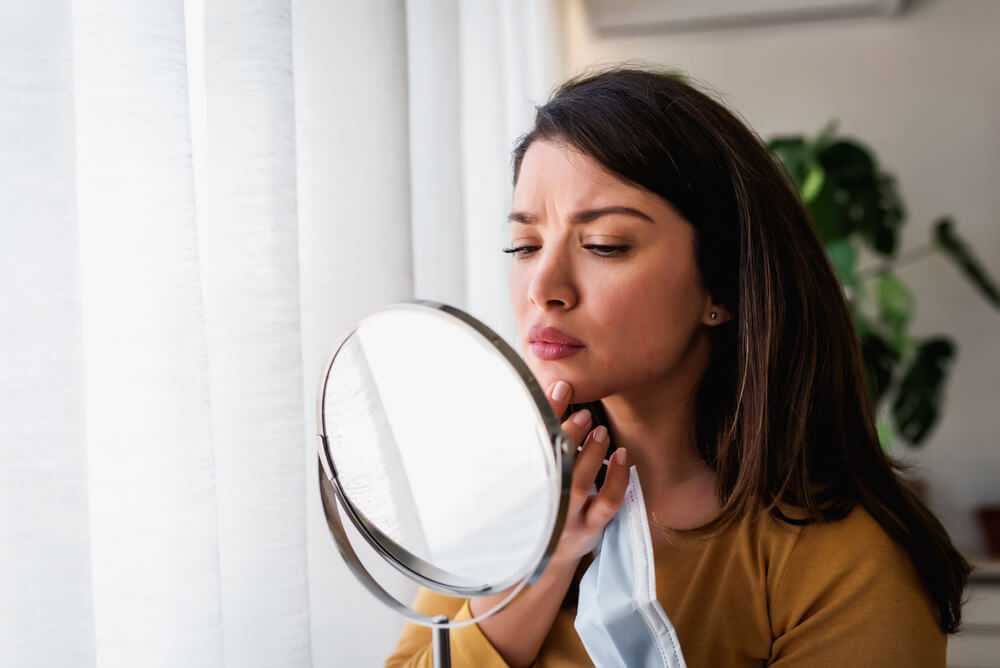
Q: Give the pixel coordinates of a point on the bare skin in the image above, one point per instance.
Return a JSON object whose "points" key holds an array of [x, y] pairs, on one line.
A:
{"points": [[613, 266]]}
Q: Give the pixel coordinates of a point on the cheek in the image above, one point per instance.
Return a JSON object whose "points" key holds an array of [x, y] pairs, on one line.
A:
{"points": [[653, 325], [633, 328]]}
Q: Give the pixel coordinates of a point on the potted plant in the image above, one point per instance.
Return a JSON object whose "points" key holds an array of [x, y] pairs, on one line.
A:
{"points": [[856, 205]]}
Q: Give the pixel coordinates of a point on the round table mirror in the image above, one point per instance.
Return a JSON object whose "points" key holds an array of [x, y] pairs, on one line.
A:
{"points": [[439, 447]]}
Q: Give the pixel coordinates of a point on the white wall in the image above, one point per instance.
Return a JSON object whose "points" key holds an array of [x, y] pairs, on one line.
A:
{"points": [[923, 90]]}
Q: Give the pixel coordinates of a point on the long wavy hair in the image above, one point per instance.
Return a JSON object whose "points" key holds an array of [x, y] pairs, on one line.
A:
{"points": [[784, 413]]}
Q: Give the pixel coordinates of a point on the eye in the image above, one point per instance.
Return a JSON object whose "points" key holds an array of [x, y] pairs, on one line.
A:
{"points": [[605, 251], [521, 251]]}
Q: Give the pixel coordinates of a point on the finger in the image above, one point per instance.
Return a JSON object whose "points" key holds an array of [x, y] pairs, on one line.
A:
{"points": [[578, 426], [588, 463], [603, 507], [559, 394]]}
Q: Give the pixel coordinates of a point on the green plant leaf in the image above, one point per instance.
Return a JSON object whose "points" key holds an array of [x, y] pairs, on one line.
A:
{"points": [[856, 197], [918, 399], [957, 250], [895, 301], [844, 257], [828, 216], [852, 160], [797, 156], [885, 434], [894, 214], [880, 362], [813, 183]]}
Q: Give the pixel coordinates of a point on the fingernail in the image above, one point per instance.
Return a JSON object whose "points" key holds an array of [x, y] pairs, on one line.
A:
{"points": [[601, 434], [561, 391], [582, 418], [621, 456]]}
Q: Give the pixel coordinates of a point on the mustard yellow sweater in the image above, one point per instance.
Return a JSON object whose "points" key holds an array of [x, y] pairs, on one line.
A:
{"points": [[762, 593]]}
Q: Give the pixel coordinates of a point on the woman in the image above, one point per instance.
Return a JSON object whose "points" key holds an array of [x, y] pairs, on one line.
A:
{"points": [[663, 266]]}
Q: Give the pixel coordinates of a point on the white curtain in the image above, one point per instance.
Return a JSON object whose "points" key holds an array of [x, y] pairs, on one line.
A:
{"points": [[196, 199], [477, 70]]}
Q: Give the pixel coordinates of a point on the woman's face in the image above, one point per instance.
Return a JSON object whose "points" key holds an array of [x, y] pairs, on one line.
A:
{"points": [[604, 284]]}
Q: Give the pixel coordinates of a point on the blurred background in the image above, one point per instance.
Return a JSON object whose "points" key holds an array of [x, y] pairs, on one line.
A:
{"points": [[198, 197]]}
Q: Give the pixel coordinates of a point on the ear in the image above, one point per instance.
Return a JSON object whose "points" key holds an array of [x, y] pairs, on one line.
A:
{"points": [[715, 314]]}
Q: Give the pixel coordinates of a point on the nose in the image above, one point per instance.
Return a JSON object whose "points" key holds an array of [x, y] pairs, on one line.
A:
{"points": [[553, 284]]}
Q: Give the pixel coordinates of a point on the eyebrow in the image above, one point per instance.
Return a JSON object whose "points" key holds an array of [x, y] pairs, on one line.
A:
{"points": [[585, 216]]}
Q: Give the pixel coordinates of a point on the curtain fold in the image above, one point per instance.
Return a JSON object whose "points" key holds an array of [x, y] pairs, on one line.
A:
{"points": [[355, 254], [248, 240], [151, 463], [436, 178], [45, 587]]}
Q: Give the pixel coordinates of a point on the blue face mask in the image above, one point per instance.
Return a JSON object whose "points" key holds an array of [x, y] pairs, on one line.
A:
{"points": [[618, 617]]}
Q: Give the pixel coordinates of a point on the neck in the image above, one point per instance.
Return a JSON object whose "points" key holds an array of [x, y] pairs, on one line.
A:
{"points": [[659, 433], [657, 426]]}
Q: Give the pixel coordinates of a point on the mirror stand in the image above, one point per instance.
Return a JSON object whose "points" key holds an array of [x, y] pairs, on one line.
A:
{"points": [[440, 624], [440, 645]]}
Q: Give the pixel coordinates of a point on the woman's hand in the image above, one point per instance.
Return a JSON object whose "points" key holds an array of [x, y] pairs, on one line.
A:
{"points": [[587, 515], [518, 631]]}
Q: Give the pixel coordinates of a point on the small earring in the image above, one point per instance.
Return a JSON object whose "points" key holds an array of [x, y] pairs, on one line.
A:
{"points": [[713, 315]]}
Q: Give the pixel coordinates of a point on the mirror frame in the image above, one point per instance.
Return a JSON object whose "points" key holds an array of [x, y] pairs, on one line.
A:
{"points": [[335, 501]]}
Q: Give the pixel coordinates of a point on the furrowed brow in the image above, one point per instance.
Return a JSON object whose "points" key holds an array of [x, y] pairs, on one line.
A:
{"points": [[522, 217], [590, 215], [585, 216]]}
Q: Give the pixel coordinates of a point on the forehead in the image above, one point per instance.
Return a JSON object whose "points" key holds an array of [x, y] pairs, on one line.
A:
{"points": [[557, 171]]}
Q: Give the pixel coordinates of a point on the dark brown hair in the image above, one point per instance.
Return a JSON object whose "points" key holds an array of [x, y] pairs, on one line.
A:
{"points": [[784, 414]]}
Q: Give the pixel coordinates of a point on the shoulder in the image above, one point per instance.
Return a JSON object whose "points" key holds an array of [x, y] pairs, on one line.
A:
{"points": [[853, 554], [801, 560], [849, 581], [857, 544]]}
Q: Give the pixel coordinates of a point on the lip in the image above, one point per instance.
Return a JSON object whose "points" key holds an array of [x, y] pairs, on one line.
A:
{"points": [[548, 343], [552, 335]]}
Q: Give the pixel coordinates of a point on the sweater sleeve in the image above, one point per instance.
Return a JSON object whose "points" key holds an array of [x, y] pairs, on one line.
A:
{"points": [[469, 647], [849, 596]]}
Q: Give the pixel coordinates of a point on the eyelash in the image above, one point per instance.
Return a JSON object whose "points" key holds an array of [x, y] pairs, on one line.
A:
{"points": [[603, 251]]}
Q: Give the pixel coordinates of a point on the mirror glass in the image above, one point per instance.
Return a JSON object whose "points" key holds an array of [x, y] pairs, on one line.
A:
{"points": [[438, 442]]}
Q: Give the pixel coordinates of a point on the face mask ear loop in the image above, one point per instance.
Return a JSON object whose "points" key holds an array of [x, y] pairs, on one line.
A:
{"points": [[619, 620], [644, 567]]}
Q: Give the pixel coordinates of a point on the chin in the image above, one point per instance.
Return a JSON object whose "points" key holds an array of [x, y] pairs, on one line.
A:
{"points": [[586, 392], [585, 388]]}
